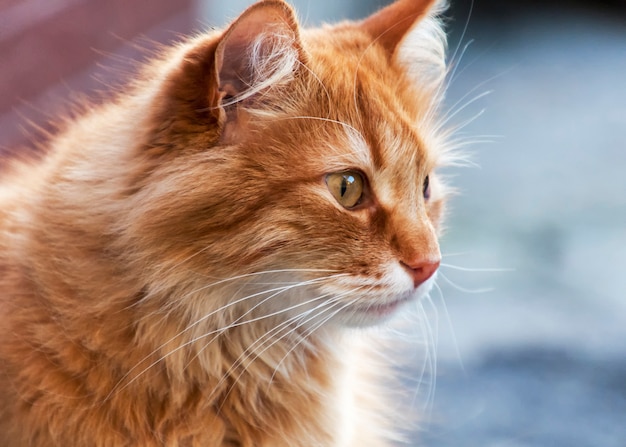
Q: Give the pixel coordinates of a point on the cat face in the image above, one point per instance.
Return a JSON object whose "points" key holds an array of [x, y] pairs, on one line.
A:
{"points": [[304, 158]]}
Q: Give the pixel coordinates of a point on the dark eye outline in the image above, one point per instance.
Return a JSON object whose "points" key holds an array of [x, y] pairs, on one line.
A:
{"points": [[426, 188], [355, 173]]}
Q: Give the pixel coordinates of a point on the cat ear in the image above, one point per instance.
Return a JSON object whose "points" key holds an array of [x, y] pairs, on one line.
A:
{"points": [[391, 25], [413, 36], [261, 48]]}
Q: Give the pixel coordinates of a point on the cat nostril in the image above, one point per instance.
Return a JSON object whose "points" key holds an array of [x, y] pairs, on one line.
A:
{"points": [[421, 271]]}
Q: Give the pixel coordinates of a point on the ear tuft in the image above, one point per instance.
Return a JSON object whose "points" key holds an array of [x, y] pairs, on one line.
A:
{"points": [[413, 36], [423, 51], [260, 49], [390, 25]]}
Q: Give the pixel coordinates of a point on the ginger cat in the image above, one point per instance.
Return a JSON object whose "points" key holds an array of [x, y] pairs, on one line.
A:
{"points": [[187, 263]]}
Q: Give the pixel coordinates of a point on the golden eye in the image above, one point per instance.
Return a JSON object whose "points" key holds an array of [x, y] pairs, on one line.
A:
{"points": [[346, 187]]}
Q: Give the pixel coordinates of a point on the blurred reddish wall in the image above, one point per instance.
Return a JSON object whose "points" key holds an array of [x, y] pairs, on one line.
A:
{"points": [[52, 50]]}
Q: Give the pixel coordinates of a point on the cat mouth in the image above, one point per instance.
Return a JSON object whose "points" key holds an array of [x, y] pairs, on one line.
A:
{"points": [[382, 310]]}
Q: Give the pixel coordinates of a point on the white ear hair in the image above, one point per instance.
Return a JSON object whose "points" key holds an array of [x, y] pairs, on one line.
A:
{"points": [[260, 49], [422, 52], [273, 59]]}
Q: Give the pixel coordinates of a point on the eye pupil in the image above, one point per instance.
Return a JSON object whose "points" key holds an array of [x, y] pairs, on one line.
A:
{"points": [[344, 185], [347, 187]]}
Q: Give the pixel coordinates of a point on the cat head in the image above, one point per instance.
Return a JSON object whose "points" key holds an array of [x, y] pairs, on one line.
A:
{"points": [[306, 157]]}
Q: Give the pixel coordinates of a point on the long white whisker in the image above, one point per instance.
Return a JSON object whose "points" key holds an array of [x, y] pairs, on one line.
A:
{"points": [[451, 328], [429, 364], [265, 272], [243, 276], [264, 339], [274, 292], [276, 330], [455, 64], [310, 331], [216, 333], [317, 78], [455, 110], [245, 356], [432, 354], [468, 269], [238, 322], [302, 322], [318, 118], [458, 110], [463, 289], [248, 353], [457, 128], [456, 50]]}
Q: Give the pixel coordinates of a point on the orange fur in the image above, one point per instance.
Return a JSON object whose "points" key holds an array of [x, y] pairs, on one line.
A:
{"points": [[175, 270]]}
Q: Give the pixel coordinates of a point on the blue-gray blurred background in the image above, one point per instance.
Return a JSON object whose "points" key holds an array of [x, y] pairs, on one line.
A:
{"points": [[529, 323]]}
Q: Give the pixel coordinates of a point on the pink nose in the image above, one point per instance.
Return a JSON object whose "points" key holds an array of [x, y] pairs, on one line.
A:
{"points": [[420, 271]]}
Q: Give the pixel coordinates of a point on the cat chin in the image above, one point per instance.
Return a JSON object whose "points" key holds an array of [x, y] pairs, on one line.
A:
{"points": [[362, 315], [373, 315]]}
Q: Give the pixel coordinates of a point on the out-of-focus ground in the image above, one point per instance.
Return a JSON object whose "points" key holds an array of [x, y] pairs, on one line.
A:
{"points": [[540, 360]]}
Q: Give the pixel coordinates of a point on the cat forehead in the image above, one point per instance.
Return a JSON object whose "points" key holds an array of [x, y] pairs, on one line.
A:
{"points": [[369, 90], [385, 151], [381, 125]]}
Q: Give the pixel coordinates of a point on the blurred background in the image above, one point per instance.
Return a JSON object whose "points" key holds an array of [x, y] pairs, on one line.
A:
{"points": [[530, 321]]}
